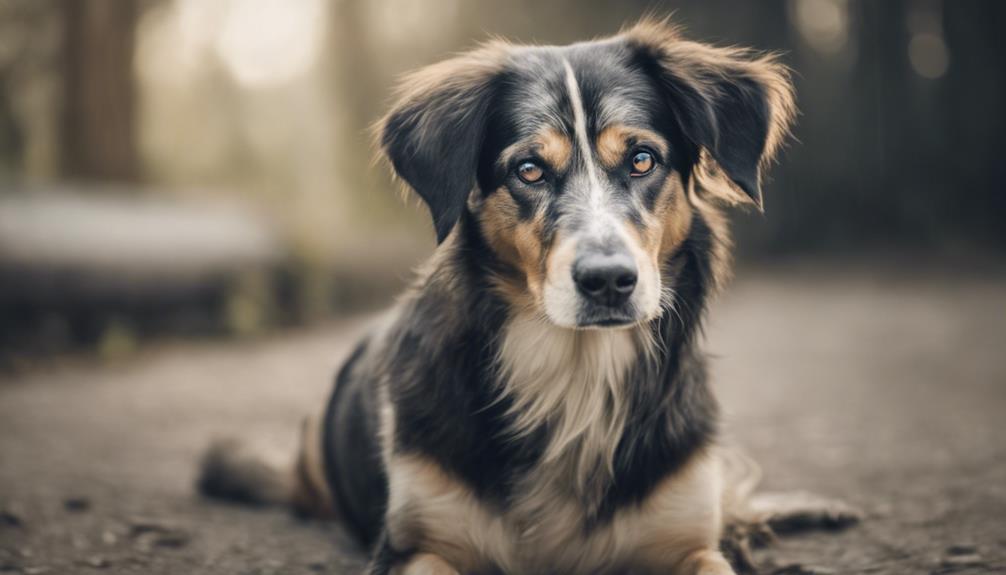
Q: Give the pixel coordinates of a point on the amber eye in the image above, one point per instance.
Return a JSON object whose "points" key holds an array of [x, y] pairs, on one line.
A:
{"points": [[530, 173], [642, 163]]}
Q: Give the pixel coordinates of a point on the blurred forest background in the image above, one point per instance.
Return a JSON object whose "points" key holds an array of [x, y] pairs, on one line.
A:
{"points": [[195, 166]]}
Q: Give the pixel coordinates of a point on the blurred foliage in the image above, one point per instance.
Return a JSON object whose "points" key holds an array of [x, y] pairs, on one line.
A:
{"points": [[271, 100], [268, 103]]}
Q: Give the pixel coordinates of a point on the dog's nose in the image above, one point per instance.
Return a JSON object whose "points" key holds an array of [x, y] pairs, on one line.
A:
{"points": [[605, 279]]}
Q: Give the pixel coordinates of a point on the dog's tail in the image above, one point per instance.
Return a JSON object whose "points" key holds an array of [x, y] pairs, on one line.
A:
{"points": [[230, 472]]}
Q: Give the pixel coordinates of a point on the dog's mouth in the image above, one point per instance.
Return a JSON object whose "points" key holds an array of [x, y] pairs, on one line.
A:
{"points": [[608, 287], [579, 312], [607, 318]]}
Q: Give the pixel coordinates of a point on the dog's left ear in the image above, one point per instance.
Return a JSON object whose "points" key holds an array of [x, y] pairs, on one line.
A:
{"points": [[434, 132], [735, 106]]}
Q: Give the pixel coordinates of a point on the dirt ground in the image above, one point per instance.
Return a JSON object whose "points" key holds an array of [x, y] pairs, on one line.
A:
{"points": [[886, 389]]}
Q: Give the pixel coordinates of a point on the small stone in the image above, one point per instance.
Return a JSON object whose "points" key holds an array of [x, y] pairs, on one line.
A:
{"points": [[967, 560], [148, 537], [139, 526], [77, 504], [173, 540], [98, 562], [11, 517], [79, 542], [149, 534], [962, 549], [108, 537]]}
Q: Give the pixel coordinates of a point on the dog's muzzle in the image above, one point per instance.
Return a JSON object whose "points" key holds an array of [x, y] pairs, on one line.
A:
{"points": [[605, 277], [605, 280]]}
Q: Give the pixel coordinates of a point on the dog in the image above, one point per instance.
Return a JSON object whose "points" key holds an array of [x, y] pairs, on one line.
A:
{"points": [[538, 400]]}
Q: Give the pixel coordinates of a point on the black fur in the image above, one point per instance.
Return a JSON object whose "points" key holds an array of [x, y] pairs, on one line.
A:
{"points": [[459, 421], [449, 409], [434, 141], [725, 111], [437, 362], [350, 441]]}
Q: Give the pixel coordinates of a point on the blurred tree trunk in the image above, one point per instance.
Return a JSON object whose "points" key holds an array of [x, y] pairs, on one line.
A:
{"points": [[99, 94], [975, 91], [361, 95], [879, 82]]}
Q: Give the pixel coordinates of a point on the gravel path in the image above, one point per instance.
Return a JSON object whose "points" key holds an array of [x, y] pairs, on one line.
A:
{"points": [[885, 389]]}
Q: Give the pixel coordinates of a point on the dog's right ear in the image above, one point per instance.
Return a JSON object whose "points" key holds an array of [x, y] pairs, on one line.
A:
{"points": [[735, 105], [433, 134]]}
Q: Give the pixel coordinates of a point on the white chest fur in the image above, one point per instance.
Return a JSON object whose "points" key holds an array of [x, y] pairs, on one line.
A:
{"points": [[432, 512], [572, 382]]}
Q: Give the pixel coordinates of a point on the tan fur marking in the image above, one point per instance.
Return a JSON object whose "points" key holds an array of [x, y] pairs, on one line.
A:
{"points": [[677, 217], [311, 495], [498, 218], [551, 145], [518, 244], [613, 143], [425, 564], [555, 148], [662, 231], [722, 244], [683, 516], [675, 529], [527, 240], [433, 513], [705, 562]]}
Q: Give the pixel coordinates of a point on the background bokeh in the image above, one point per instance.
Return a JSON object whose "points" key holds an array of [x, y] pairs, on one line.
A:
{"points": [[192, 167], [193, 235]]}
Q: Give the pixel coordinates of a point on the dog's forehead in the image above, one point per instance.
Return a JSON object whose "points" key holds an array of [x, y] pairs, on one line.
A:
{"points": [[611, 87]]}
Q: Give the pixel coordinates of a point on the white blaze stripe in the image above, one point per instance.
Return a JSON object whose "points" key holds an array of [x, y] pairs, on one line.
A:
{"points": [[580, 127]]}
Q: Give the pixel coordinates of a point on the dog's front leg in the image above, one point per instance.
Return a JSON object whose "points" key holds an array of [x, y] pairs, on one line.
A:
{"points": [[388, 561], [705, 562], [425, 564]]}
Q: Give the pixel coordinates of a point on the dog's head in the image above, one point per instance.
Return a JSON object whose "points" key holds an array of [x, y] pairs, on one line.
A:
{"points": [[577, 164]]}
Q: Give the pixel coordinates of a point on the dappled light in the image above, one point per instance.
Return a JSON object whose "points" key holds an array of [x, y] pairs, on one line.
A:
{"points": [[531, 257]]}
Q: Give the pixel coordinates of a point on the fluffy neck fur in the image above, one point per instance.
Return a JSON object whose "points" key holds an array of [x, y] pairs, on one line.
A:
{"points": [[584, 390], [574, 384]]}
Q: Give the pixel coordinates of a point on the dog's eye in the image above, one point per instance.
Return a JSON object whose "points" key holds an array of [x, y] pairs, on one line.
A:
{"points": [[642, 163], [530, 172]]}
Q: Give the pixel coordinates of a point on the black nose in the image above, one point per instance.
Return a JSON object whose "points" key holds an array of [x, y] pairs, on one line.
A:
{"points": [[605, 279]]}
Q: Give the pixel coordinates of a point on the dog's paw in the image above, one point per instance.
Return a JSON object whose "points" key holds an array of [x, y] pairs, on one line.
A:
{"points": [[768, 514], [426, 564], [791, 512], [739, 538], [706, 562]]}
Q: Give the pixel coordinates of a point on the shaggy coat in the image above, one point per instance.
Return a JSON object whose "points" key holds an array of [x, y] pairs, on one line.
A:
{"points": [[538, 402]]}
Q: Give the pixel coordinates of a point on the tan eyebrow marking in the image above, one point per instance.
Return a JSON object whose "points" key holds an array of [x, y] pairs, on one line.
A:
{"points": [[614, 141], [556, 149], [551, 145]]}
